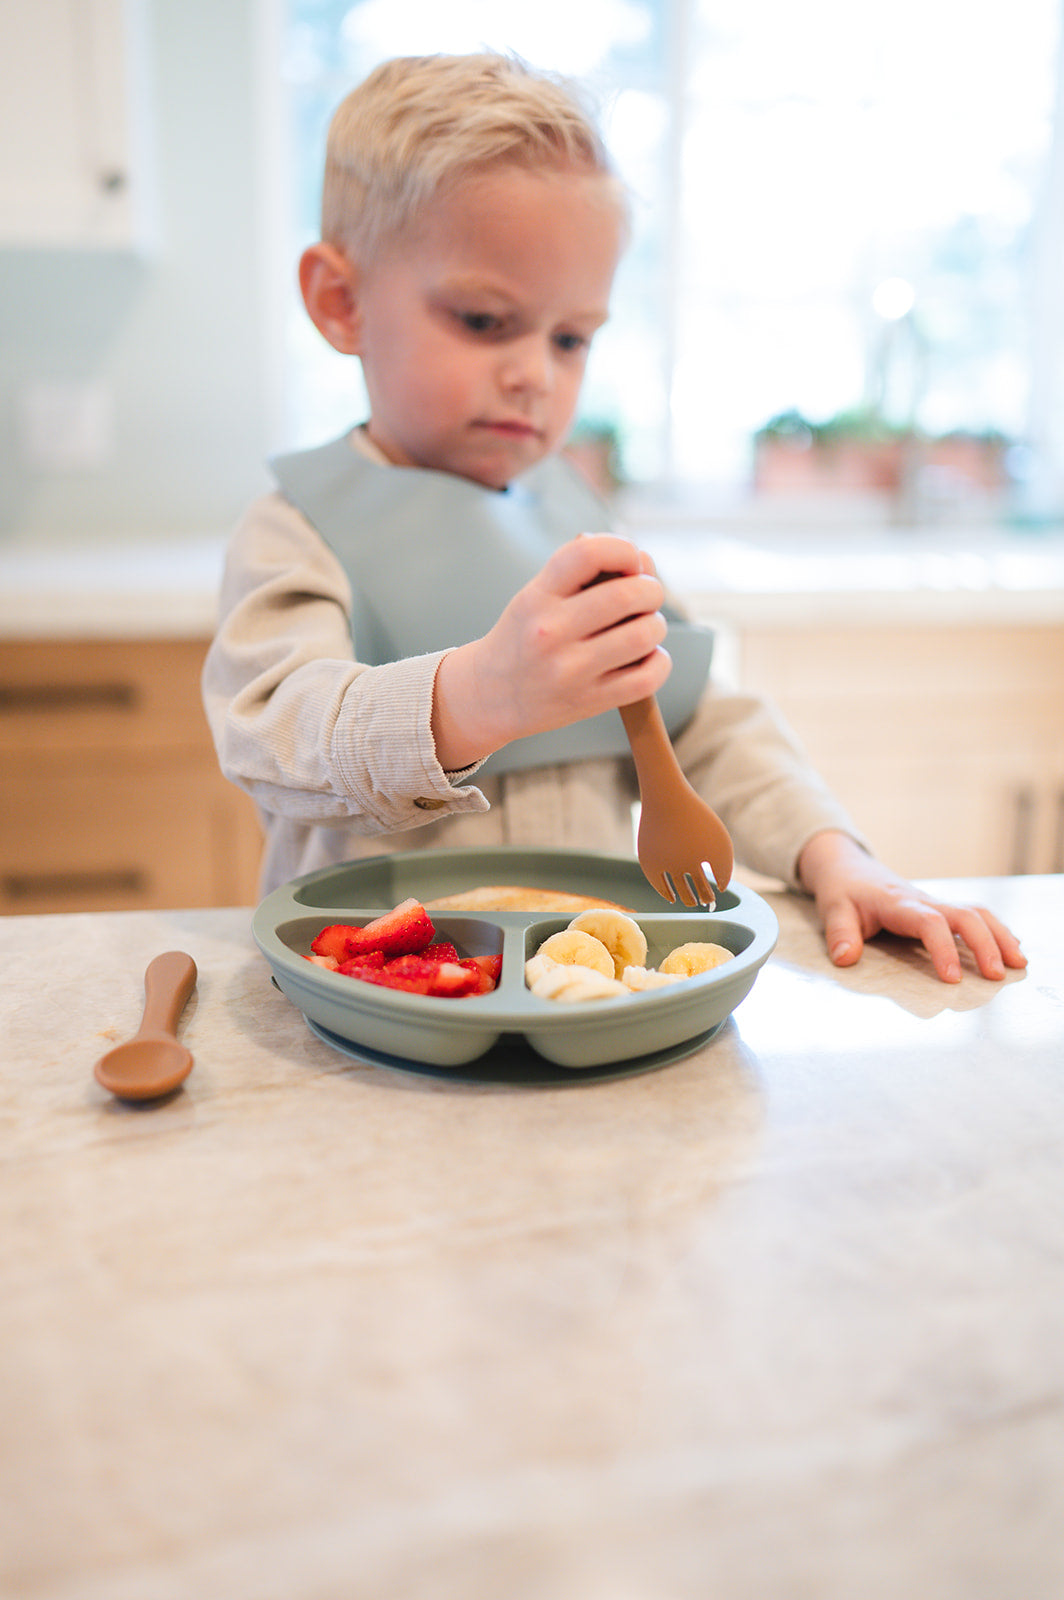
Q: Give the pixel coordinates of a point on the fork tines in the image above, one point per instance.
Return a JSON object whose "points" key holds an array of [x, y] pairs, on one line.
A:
{"points": [[695, 890]]}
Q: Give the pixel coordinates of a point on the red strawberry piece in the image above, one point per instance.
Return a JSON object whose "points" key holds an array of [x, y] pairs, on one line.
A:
{"points": [[418, 975], [406, 928], [330, 963], [333, 941], [441, 950], [453, 980], [487, 969], [370, 960], [442, 977], [414, 965], [385, 978]]}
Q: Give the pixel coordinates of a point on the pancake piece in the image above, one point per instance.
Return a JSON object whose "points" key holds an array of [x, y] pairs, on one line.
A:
{"points": [[518, 897]]}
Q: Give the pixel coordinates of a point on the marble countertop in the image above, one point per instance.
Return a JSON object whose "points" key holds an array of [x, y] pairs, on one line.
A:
{"points": [[783, 1319], [798, 576]]}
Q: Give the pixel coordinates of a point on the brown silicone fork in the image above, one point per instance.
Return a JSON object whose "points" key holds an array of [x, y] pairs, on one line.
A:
{"points": [[678, 832]]}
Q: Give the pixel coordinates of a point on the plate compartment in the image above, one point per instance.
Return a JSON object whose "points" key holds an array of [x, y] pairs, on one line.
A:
{"points": [[456, 1033]]}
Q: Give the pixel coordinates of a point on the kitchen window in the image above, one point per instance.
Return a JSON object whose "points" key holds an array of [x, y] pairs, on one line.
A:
{"points": [[845, 216]]}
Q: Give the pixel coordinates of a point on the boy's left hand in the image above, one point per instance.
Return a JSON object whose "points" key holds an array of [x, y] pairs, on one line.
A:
{"points": [[858, 897]]}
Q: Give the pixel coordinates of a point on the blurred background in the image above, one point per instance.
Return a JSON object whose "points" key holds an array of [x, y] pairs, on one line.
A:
{"points": [[846, 277], [830, 400]]}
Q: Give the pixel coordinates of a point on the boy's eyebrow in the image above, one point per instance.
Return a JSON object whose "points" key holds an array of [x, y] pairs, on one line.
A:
{"points": [[473, 283]]}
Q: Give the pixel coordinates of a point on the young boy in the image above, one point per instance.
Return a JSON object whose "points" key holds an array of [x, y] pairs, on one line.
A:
{"points": [[413, 650]]}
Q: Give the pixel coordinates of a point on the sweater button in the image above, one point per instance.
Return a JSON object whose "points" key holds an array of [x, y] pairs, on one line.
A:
{"points": [[428, 803]]}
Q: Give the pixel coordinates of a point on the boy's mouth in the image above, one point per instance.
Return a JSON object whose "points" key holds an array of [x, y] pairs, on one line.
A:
{"points": [[510, 428]]}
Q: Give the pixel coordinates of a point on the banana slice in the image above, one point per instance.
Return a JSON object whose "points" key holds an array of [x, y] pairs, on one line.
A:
{"points": [[572, 983], [622, 936], [571, 947], [687, 960], [536, 966], [639, 979]]}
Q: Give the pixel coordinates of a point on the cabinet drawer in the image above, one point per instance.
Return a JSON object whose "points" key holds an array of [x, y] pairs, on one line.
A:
{"points": [[125, 833], [101, 694], [942, 742], [991, 666]]}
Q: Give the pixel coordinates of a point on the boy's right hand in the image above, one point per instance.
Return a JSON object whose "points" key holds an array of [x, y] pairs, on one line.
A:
{"points": [[566, 647]]}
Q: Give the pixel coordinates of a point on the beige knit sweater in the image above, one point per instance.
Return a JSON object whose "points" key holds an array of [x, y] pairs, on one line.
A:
{"points": [[339, 756]]}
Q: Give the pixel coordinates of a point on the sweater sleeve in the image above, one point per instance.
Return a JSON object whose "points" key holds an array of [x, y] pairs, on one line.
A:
{"points": [[740, 755], [306, 729]]}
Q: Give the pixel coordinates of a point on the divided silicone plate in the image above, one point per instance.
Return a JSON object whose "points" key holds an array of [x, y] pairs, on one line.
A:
{"points": [[629, 1033]]}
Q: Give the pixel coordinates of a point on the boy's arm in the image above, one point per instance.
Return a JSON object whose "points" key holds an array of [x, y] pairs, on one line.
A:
{"points": [[785, 821], [741, 756], [308, 731]]}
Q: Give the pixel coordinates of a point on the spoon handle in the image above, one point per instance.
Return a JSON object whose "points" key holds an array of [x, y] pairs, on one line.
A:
{"points": [[168, 983]]}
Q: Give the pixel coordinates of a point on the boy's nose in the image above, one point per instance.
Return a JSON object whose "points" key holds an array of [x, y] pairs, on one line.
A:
{"points": [[527, 366]]}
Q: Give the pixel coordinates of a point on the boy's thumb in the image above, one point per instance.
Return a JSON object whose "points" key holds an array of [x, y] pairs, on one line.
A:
{"points": [[843, 936]]}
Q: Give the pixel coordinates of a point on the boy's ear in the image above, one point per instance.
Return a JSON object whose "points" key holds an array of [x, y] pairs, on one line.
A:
{"points": [[328, 282]]}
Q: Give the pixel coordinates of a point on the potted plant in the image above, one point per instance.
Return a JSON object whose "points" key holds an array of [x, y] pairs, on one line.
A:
{"points": [[856, 450]]}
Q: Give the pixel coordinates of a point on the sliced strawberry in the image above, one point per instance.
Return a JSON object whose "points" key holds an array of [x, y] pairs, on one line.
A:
{"points": [[416, 975], [330, 963], [333, 941], [369, 960], [441, 950], [453, 980], [487, 969], [386, 979], [407, 928], [442, 977], [415, 965]]}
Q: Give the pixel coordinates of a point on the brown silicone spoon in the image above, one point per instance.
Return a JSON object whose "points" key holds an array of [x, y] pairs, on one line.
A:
{"points": [[153, 1063]]}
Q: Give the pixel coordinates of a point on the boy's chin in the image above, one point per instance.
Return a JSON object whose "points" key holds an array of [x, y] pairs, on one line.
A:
{"points": [[496, 471], [486, 476], [493, 467]]}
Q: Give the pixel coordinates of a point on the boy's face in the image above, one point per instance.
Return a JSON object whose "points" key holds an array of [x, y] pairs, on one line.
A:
{"points": [[474, 331]]}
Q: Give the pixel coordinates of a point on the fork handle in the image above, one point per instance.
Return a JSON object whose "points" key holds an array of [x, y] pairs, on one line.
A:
{"points": [[649, 739]]}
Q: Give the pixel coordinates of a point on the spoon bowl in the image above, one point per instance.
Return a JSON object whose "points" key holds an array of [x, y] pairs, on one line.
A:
{"points": [[153, 1062]]}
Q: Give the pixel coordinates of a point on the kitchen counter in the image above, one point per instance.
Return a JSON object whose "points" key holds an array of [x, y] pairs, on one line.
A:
{"points": [[802, 578], [783, 1319], [111, 591], [732, 574]]}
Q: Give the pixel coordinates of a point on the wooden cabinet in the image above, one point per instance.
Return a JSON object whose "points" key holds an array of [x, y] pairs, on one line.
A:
{"points": [[72, 167], [110, 792], [946, 742]]}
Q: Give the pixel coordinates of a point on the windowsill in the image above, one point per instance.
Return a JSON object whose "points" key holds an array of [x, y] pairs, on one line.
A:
{"points": [[821, 561]]}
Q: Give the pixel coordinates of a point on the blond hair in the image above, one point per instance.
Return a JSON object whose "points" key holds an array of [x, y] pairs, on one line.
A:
{"points": [[418, 124]]}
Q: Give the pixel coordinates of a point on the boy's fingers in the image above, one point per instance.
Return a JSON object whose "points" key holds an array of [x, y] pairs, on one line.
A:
{"points": [[580, 562], [919, 919], [936, 927], [992, 946], [842, 933]]}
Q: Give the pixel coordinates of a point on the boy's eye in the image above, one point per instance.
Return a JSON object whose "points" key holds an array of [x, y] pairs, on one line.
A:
{"points": [[571, 341], [479, 321]]}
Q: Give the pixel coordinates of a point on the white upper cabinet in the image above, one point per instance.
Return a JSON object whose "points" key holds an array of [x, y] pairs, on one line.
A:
{"points": [[72, 156]]}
